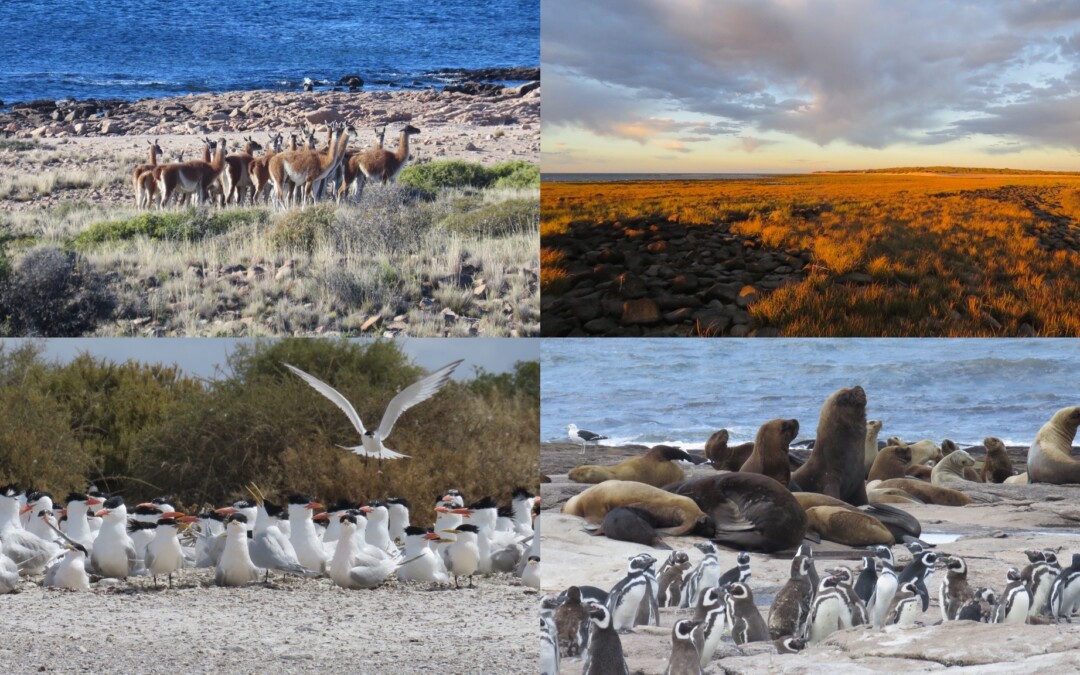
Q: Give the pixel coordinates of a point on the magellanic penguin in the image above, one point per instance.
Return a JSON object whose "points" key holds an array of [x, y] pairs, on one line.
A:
{"points": [[605, 654], [1065, 592], [919, 572], [549, 648], [906, 605], [740, 573], [711, 616], [829, 612], [815, 580], [572, 624], [954, 591], [1040, 576], [864, 585], [789, 645], [981, 607], [685, 658], [747, 624], [671, 579], [706, 574], [884, 591], [628, 593], [648, 613], [856, 606], [787, 615], [1015, 601]]}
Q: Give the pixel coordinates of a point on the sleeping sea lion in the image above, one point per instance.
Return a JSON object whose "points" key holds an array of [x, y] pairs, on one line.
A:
{"points": [[770, 455], [629, 523], [724, 457], [848, 527], [899, 523], [930, 494], [1050, 455], [891, 496], [658, 467], [997, 466], [836, 465], [672, 514], [891, 462], [749, 511]]}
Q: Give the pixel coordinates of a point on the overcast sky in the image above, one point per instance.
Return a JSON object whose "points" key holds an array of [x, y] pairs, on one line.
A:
{"points": [[800, 85], [199, 356]]}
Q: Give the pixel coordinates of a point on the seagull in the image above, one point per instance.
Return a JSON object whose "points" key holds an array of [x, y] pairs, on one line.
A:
{"points": [[417, 392], [583, 436]]}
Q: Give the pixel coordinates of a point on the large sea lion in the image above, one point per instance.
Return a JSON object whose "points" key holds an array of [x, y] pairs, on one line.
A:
{"points": [[997, 466], [873, 427], [950, 470], [891, 496], [673, 515], [924, 451], [658, 467], [930, 494], [899, 523], [836, 466], [723, 456], [749, 511], [891, 462], [770, 455], [844, 526], [1050, 455], [921, 471]]}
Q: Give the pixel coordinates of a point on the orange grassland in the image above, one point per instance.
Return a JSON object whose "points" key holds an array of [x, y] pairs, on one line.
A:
{"points": [[946, 255]]}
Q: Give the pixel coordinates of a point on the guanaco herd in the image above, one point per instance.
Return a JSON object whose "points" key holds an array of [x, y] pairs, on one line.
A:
{"points": [[298, 175]]}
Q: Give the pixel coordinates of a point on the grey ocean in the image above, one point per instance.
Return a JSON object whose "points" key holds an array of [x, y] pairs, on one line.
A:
{"points": [[669, 390]]}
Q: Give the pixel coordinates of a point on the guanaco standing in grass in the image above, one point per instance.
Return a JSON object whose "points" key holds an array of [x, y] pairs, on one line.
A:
{"points": [[305, 167], [381, 164], [140, 169], [235, 178], [193, 177], [350, 168], [259, 169]]}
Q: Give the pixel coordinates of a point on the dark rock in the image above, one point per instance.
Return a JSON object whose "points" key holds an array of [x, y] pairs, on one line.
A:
{"points": [[711, 322], [679, 315], [600, 326], [351, 81], [640, 311], [630, 286], [684, 283]]}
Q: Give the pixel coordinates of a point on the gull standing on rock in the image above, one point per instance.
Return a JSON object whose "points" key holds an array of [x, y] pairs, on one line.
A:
{"points": [[417, 392], [582, 436]]}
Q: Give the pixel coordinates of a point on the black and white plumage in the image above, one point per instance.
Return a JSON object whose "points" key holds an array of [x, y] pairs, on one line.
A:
{"points": [[582, 436], [711, 615], [1065, 591], [670, 578], [747, 624], [815, 580], [549, 648], [605, 654], [954, 591], [572, 624], [884, 590], [685, 658], [740, 573], [1040, 577], [919, 572], [982, 606], [828, 613], [705, 575], [791, 606], [906, 606], [1015, 601], [867, 581], [626, 595], [789, 645], [372, 441], [856, 606], [648, 613], [113, 554]]}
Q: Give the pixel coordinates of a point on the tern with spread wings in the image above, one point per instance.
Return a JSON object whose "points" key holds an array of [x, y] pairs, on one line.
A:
{"points": [[417, 392]]}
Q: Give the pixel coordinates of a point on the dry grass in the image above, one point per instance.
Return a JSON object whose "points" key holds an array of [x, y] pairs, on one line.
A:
{"points": [[956, 255]]}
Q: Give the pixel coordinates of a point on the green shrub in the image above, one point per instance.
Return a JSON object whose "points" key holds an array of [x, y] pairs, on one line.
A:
{"points": [[495, 220], [189, 225], [302, 228], [516, 174], [450, 174]]}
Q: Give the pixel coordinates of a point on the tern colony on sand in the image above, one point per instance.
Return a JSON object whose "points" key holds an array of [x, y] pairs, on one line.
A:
{"points": [[584, 437], [584, 622], [351, 542]]}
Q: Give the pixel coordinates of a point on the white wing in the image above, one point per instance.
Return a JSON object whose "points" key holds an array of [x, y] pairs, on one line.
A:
{"points": [[417, 392], [334, 395], [386, 453]]}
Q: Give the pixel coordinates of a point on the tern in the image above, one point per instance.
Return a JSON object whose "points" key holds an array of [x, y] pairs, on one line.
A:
{"points": [[585, 437], [399, 518], [353, 570], [163, 553], [305, 539], [270, 548], [70, 571], [417, 392], [531, 575], [421, 563], [30, 552], [113, 554], [464, 553], [235, 567], [9, 574]]}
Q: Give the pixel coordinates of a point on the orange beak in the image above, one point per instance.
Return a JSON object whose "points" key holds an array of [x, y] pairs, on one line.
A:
{"points": [[146, 505], [314, 505], [225, 511], [188, 519], [321, 516], [366, 509], [93, 501], [442, 509], [171, 514], [431, 536], [26, 509], [102, 512], [462, 512]]}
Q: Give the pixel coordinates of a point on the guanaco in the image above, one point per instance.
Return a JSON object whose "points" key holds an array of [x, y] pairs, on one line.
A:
{"points": [[381, 164], [305, 167], [259, 169], [235, 178], [350, 168], [140, 169], [193, 177]]}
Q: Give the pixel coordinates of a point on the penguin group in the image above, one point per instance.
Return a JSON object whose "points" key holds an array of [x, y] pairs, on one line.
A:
{"points": [[94, 536], [585, 622]]}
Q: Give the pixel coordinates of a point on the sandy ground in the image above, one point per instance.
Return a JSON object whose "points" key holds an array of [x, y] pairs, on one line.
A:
{"points": [[990, 536], [294, 626]]}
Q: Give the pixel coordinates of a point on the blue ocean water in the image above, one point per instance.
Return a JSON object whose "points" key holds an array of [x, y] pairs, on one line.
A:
{"points": [[622, 177], [129, 49], [680, 391]]}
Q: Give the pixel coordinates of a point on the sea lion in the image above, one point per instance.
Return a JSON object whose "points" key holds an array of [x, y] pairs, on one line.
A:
{"points": [[629, 523], [850, 528], [770, 454], [657, 467], [724, 457], [948, 447], [899, 523], [950, 469], [1019, 479], [674, 515], [924, 451], [891, 496], [836, 464], [920, 471], [873, 427], [931, 494], [891, 462], [1050, 455], [749, 511]]}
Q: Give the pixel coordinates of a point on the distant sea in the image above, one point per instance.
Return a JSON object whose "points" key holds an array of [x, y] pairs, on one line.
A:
{"points": [[127, 49], [621, 177], [680, 391]]}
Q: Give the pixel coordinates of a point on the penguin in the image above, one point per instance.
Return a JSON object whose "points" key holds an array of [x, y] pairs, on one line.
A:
{"points": [[549, 648], [572, 624], [706, 574], [981, 607], [685, 658], [671, 579], [918, 571], [604, 655], [864, 585], [906, 605], [954, 591], [1065, 591], [829, 612], [648, 613], [808, 551], [789, 645], [789, 609], [747, 625], [884, 591], [740, 573], [1015, 601], [711, 615], [627, 594], [855, 606], [1040, 576]]}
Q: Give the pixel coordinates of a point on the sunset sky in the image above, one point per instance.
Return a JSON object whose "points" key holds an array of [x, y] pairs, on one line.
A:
{"points": [[804, 85]]}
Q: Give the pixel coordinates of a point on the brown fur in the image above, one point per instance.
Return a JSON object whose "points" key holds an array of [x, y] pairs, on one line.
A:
{"points": [[891, 496], [770, 454], [997, 466], [725, 457], [141, 197], [836, 464], [891, 462], [594, 503], [809, 500], [236, 179], [920, 471], [1050, 457], [850, 528], [259, 169], [305, 168], [930, 494], [193, 177], [383, 165], [652, 468]]}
